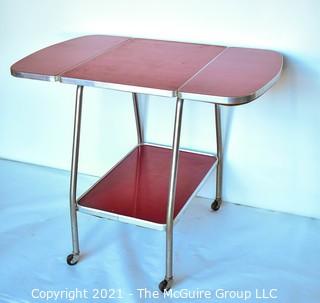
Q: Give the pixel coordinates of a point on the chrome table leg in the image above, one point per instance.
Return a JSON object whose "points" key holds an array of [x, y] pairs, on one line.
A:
{"points": [[167, 282], [137, 118], [73, 258], [217, 202]]}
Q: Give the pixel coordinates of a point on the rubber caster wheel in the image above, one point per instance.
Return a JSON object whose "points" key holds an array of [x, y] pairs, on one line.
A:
{"points": [[216, 204], [165, 285], [72, 259]]}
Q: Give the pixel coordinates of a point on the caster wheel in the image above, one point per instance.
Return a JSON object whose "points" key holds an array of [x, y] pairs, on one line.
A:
{"points": [[165, 285], [72, 259], [216, 204]]}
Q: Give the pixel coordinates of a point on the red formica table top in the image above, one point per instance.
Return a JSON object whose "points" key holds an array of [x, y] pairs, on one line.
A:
{"points": [[219, 74]]}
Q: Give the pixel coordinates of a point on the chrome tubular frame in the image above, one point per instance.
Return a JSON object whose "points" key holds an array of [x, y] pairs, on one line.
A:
{"points": [[172, 192], [137, 118], [73, 259], [218, 199]]}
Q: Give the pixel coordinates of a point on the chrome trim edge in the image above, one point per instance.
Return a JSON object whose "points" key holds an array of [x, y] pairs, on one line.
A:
{"points": [[120, 218], [120, 87], [35, 76]]}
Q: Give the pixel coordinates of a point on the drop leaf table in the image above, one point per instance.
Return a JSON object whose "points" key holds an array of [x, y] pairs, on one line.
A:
{"points": [[152, 185]]}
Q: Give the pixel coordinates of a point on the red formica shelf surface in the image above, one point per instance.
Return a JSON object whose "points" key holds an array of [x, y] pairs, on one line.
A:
{"points": [[137, 188]]}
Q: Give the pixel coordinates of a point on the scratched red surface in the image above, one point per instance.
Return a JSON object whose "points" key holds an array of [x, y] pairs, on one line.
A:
{"points": [[138, 187], [147, 63], [58, 58], [173, 66], [237, 72]]}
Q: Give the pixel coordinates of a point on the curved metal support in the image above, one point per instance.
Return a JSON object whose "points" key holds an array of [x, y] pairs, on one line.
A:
{"points": [[137, 118], [217, 202], [74, 176], [172, 190]]}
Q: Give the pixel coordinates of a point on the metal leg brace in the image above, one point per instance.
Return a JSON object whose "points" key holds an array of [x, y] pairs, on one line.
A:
{"points": [[167, 282], [73, 258], [217, 202]]}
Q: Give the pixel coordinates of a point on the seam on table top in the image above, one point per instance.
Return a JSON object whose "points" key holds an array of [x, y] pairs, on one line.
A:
{"points": [[201, 69], [106, 50]]}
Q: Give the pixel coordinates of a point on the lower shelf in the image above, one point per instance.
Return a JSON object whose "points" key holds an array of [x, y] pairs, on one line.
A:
{"points": [[136, 190]]}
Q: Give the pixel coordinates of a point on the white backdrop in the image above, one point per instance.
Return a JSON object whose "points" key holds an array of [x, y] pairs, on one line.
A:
{"points": [[272, 146]]}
